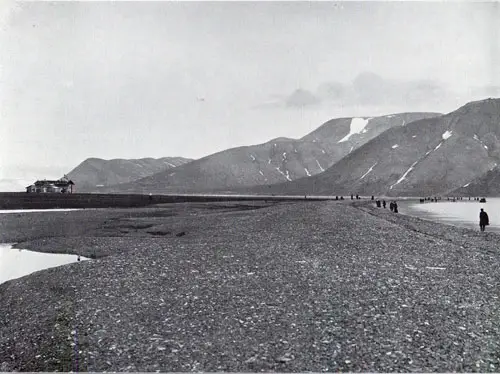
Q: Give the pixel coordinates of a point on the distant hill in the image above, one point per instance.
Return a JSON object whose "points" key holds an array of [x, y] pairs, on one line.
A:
{"points": [[426, 157], [94, 174], [281, 159]]}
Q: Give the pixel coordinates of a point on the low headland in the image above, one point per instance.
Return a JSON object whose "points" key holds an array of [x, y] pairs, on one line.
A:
{"points": [[251, 286]]}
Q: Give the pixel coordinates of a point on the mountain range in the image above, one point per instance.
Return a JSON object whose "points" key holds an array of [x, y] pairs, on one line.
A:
{"points": [[423, 158], [279, 160], [406, 154]]}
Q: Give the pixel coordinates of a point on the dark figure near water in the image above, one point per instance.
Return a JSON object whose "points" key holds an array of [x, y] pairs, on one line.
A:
{"points": [[383, 204], [357, 197], [391, 206], [373, 197], [341, 197], [336, 197], [483, 220], [395, 207], [378, 203], [352, 197]]}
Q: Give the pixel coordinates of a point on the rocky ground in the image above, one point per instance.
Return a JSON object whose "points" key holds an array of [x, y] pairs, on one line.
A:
{"points": [[297, 286]]}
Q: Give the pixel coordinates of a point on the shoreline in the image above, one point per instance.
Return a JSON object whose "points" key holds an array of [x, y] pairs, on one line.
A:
{"points": [[286, 286]]}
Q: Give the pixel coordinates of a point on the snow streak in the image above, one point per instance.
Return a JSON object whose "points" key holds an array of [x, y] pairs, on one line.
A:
{"points": [[369, 170], [395, 146], [405, 174], [307, 172], [321, 168]]}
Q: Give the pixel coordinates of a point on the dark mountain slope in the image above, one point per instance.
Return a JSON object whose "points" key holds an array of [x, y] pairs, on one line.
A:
{"points": [[95, 173]]}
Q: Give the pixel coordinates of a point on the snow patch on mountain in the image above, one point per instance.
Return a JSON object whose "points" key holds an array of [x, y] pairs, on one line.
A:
{"points": [[439, 145], [169, 164], [357, 126], [252, 157], [369, 170], [319, 165], [395, 146], [405, 174], [446, 134], [261, 173], [307, 172], [485, 147], [287, 176], [414, 136], [466, 185]]}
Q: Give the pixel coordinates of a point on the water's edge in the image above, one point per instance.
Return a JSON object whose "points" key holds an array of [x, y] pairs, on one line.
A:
{"points": [[18, 262]]}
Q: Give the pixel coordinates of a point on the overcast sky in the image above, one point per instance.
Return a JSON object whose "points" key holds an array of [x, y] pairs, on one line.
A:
{"points": [[136, 79]]}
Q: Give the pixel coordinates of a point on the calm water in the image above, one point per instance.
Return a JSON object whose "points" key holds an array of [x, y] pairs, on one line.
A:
{"points": [[34, 210], [462, 213], [16, 263]]}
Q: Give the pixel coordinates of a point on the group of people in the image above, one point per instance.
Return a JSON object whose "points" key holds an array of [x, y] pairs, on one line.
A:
{"points": [[393, 206]]}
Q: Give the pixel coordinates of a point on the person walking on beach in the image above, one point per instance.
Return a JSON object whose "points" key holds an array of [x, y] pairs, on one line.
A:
{"points": [[391, 206], [383, 203], [483, 220], [395, 207]]}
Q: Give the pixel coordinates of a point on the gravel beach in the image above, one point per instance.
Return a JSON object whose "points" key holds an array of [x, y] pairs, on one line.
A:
{"points": [[253, 286]]}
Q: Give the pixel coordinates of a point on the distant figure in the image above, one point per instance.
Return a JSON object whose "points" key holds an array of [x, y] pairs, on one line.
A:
{"points": [[391, 206], [373, 197], [484, 220], [352, 197], [395, 207], [78, 258], [383, 204], [378, 203], [357, 197], [336, 197], [150, 197], [341, 197]]}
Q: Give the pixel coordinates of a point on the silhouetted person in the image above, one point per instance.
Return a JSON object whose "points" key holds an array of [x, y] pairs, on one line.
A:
{"points": [[352, 197], [483, 220], [336, 197], [391, 206], [357, 197], [383, 204], [373, 197], [395, 207], [378, 203], [341, 197]]}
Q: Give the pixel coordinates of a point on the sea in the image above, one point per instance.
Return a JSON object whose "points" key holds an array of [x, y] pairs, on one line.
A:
{"points": [[461, 213]]}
